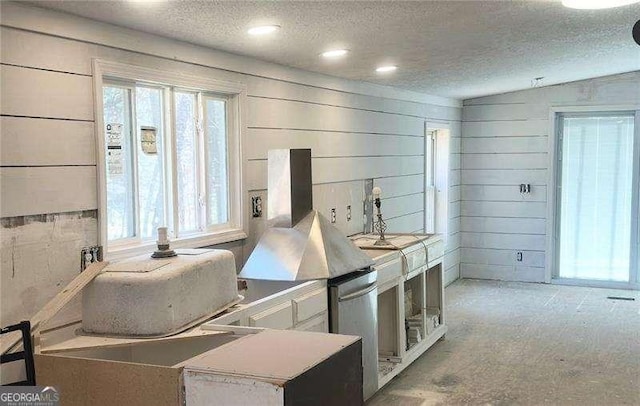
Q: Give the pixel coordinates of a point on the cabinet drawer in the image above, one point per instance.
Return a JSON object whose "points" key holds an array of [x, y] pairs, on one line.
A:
{"points": [[389, 271], [279, 317], [310, 304], [416, 257], [436, 251]]}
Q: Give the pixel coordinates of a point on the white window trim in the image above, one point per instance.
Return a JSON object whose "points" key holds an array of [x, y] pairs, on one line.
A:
{"points": [[439, 204], [551, 253], [236, 130]]}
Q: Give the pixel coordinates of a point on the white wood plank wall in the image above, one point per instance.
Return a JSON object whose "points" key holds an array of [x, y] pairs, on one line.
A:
{"points": [[505, 142], [48, 160]]}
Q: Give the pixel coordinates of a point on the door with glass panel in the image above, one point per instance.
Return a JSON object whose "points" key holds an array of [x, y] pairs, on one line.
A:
{"points": [[597, 197]]}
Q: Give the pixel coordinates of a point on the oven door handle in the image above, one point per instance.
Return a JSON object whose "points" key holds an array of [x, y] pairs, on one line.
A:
{"points": [[358, 293]]}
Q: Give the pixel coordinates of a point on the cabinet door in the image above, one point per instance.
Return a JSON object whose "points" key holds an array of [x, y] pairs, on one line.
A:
{"points": [[279, 317], [319, 324], [309, 305]]}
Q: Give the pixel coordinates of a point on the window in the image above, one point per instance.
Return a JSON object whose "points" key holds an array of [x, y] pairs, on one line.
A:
{"points": [[436, 172], [171, 158]]}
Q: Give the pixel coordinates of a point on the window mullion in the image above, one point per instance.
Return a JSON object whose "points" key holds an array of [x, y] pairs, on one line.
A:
{"points": [[173, 164], [201, 163], [134, 158]]}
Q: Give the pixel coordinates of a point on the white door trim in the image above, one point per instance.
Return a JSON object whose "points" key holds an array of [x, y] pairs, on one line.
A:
{"points": [[552, 202]]}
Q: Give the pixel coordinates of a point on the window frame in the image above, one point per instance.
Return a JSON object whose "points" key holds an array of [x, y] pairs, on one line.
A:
{"points": [[551, 257], [234, 93]]}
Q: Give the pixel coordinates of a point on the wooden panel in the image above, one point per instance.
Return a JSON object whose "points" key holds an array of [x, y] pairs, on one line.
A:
{"points": [[92, 381], [330, 144], [38, 93], [451, 275], [502, 272], [273, 113], [34, 142], [47, 190], [455, 161], [491, 112], [400, 206], [503, 193], [505, 161], [451, 258], [535, 177], [504, 225], [525, 242], [279, 317], [45, 52], [406, 224], [453, 225], [318, 324], [454, 209], [401, 185], [452, 243], [504, 209], [327, 170], [455, 145], [504, 145], [262, 87], [310, 304], [455, 177], [508, 128], [486, 256], [454, 193]]}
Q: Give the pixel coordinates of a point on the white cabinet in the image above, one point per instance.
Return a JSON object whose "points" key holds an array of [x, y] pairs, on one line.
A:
{"points": [[411, 315], [303, 307], [279, 317]]}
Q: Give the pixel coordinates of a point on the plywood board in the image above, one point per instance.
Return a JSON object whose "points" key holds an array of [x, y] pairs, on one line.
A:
{"points": [[504, 209], [504, 241], [41, 190], [520, 111], [40, 93], [344, 169], [303, 349], [28, 141], [274, 113], [90, 381], [330, 144], [505, 145], [34, 50], [509, 193], [536, 177]]}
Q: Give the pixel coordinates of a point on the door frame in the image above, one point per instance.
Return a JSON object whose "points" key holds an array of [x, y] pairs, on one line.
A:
{"points": [[553, 212]]}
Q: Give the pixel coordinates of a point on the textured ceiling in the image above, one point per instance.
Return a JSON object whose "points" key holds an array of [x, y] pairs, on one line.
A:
{"points": [[458, 49]]}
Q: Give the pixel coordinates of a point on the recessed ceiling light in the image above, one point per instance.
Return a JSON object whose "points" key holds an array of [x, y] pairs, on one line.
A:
{"points": [[385, 69], [596, 4], [336, 53], [263, 29]]}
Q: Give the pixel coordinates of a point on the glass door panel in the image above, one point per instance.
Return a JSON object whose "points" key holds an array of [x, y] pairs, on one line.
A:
{"points": [[596, 196]]}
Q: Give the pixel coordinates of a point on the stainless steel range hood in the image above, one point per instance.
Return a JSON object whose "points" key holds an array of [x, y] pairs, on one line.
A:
{"points": [[300, 243]]}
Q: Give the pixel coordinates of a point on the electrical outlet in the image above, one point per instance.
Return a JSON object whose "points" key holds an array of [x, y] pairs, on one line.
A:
{"points": [[89, 255], [349, 213], [333, 216], [519, 256], [256, 206]]}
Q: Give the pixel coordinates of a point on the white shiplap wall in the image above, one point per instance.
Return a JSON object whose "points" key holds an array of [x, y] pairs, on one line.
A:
{"points": [[48, 161], [506, 140]]}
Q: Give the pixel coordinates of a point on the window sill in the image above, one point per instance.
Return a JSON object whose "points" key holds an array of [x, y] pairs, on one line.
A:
{"points": [[193, 241]]}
